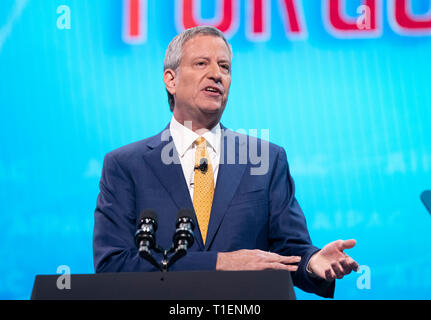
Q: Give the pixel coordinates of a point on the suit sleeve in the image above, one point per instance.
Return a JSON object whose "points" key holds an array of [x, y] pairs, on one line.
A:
{"points": [[114, 249], [288, 229]]}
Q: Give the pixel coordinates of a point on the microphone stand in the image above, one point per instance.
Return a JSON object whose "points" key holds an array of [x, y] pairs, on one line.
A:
{"points": [[183, 239], [165, 264], [167, 261], [145, 253], [180, 252]]}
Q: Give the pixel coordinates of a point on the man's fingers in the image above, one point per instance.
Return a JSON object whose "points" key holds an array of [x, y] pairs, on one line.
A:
{"points": [[329, 275], [290, 259], [353, 264], [344, 267], [271, 260], [348, 261], [279, 266], [273, 257], [255, 260], [338, 270], [347, 268]]}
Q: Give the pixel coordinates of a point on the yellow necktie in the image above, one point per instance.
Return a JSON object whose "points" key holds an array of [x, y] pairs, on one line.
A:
{"points": [[203, 192]]}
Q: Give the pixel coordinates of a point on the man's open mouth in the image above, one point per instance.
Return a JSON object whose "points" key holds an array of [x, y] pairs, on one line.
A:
{"points": [[213, 90]]}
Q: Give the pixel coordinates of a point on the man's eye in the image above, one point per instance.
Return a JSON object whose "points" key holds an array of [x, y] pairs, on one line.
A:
{"points": [[226, 67], [200, 63]]}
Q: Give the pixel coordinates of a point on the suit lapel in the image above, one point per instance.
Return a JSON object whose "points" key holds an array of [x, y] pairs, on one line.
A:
{"points": [[172, 178], [164, 161], [228, 179]]}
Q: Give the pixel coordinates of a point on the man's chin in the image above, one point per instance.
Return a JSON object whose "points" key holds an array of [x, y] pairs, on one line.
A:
{"points": [[211, 109]]}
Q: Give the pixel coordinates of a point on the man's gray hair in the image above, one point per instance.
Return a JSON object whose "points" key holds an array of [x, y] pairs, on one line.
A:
{"points": [[174, 52]]}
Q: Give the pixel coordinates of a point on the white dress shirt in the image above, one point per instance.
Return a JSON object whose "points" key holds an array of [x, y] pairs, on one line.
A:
{"points": [[184, 139]]}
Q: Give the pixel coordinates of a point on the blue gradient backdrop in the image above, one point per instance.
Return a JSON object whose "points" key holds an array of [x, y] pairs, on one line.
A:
{"points": [[353, 115]]}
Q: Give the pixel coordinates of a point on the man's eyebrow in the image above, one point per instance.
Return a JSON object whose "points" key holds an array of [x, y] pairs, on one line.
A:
{"points": [[223, 60], [201, 57]]}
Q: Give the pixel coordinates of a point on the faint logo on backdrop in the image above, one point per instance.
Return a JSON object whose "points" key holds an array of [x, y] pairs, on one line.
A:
{"points": [[6, 30], [94, 169]]}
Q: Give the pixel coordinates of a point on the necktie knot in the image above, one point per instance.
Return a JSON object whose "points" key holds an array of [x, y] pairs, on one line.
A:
{"points": [[201, 142]]}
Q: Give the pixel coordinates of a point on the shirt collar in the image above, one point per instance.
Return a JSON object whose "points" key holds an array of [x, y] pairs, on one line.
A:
{"points": [[184, 137]]}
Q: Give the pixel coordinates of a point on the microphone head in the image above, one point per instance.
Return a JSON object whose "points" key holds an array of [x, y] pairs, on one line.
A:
{"points": [[186, 215], [185, 226], [145, 236], [148, 214]]}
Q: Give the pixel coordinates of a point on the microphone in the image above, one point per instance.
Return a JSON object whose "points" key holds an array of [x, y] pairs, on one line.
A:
{"points": [[145, 236], [183, 237], [203, 166]]}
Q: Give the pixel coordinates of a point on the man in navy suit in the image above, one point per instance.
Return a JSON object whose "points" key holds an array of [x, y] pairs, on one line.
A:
{"points": [[246, 211]]}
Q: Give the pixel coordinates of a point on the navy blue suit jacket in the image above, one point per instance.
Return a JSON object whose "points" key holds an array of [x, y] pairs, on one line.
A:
{"points": [[249, 211]]}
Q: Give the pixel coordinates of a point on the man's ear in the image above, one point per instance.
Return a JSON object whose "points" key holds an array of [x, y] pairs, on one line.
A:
{"points": [[169, 77]]}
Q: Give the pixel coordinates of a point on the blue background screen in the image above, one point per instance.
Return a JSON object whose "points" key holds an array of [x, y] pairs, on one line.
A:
{"points": [[354, 116]]}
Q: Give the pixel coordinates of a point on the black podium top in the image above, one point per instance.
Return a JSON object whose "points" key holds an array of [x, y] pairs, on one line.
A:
{"points": [[191, 285]]}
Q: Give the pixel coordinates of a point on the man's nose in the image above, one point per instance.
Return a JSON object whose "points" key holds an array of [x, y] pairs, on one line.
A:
{"points": [[214, 73]]}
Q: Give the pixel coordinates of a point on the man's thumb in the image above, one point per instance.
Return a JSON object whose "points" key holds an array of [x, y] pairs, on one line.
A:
{"points": [[348, 244]]}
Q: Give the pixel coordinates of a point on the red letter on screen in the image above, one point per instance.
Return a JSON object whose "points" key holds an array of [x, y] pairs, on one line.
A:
{"points": [[135, 21], [225, 17], [405, 22], [292, 15], [258, 19], [342, 26]]}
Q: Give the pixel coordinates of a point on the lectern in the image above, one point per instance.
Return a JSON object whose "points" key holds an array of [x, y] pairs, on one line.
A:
{"points": [[184, 285]]}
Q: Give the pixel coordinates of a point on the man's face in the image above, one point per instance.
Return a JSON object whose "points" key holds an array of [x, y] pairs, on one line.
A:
{"points": [[202, 80]]}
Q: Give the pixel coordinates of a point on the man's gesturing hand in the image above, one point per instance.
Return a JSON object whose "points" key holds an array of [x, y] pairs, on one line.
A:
{"points": [[331, 262], [255, 260]]}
